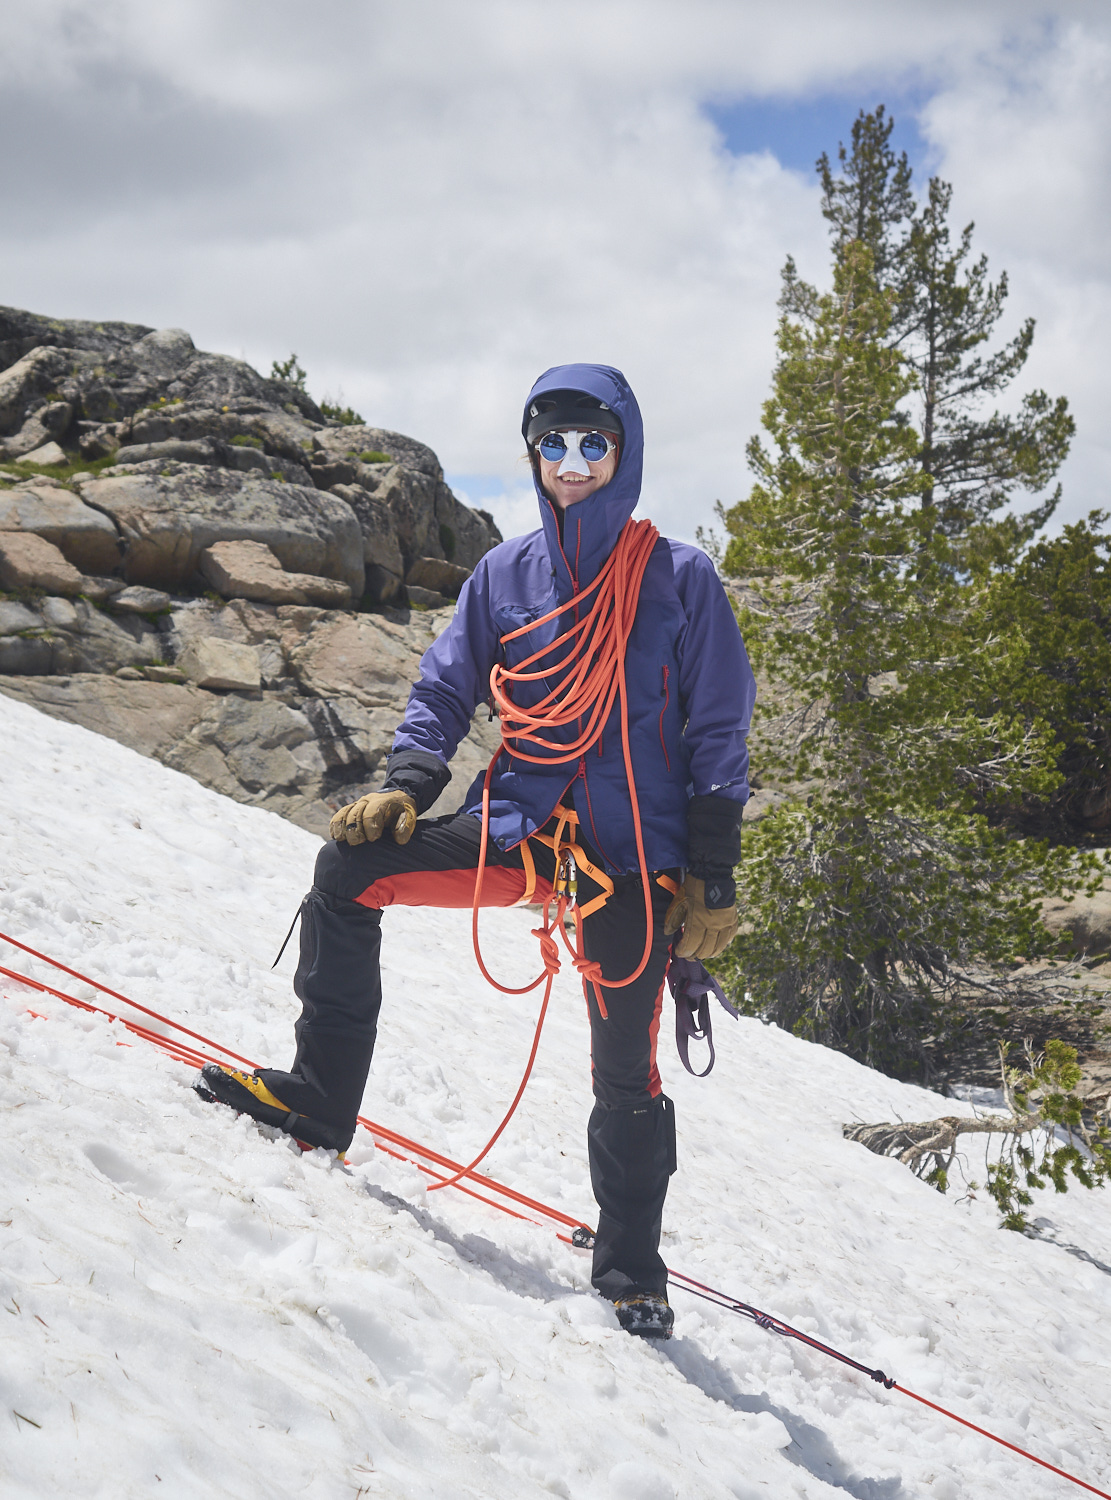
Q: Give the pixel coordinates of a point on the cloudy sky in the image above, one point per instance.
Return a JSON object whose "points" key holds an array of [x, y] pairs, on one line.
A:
{"points": [[431, 201]]}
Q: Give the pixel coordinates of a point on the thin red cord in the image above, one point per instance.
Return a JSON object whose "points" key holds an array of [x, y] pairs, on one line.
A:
{"points": [[389, 1139], [1002, 1441]]}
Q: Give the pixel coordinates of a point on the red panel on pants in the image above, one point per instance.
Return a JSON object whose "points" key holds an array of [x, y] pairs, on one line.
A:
{"points": [[502, 885]]}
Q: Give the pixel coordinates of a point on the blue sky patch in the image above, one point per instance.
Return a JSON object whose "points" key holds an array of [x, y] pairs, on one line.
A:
{"points": [[796, 131]]}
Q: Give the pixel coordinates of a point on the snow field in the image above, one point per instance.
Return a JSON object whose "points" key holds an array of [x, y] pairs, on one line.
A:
{"points": [[192, 1307]]}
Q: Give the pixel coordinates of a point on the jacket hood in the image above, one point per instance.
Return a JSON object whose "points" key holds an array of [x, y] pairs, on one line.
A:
{"points": [[591, 526]]}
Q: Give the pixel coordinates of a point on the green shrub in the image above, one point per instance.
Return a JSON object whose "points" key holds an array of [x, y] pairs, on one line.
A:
{"points": [[447, 540], [375, 457], [290, 371], [346, 416]]}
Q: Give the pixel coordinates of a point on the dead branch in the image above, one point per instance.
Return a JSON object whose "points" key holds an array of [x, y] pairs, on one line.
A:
{"points": [[912, 1143]]}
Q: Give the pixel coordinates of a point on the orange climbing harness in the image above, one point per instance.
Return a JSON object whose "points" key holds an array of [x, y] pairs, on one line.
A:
{"points": [[589, 678]]}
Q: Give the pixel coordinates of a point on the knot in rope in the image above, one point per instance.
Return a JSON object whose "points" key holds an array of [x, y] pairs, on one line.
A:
{"points": [[589, 968], [549, 949]]}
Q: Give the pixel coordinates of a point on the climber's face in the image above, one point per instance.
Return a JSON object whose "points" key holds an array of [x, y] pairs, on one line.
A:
{"points": [[575, 463]]}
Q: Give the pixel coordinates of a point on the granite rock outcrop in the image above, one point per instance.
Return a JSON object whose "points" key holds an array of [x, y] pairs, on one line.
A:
{"points": [[196, 561]]}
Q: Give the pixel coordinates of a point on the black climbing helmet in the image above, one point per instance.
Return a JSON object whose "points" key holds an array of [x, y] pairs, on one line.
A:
{"points": [[573, 409]]}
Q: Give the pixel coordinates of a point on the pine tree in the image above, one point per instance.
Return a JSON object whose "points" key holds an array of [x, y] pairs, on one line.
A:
{"points": [[944, 315], [871, 906], [947, 312], [1056, 601], [871, 197]]}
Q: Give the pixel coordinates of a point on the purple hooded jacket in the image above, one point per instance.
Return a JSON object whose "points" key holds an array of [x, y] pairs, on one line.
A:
{"points": [[690, 686]]}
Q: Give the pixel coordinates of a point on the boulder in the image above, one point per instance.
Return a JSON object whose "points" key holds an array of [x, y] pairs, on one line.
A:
{"points": [[359, 442], [354, 743], [243, 457], [168, 514], [97, 440], [249, 570], [198, 451], [382, 557], [99, 589], [426, 598], [435, 573], [20, 332], [137, 600], [60, 614], [212, 663], [239, 620], [259, 741], [98, 643], [410, 498], [16, 617], [28, 561], [1086, 918], [428, 519], [24, 384], [363, 657], [48, 454], [48, 424], [164, 367], [276, 433], [86, 538]]}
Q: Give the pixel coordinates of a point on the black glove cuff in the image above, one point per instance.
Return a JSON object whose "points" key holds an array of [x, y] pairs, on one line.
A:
{"points": [[418, 772], [720, 889], [713, 835]]}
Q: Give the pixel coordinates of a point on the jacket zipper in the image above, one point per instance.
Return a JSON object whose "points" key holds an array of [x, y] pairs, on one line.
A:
{"points": [[590, 811], [663, 743]]}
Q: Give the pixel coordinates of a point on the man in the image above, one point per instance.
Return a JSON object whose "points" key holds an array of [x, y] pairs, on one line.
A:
{"points": [[684, 717]]}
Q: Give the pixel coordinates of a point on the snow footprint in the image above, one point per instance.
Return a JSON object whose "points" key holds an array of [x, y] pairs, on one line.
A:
{"points": [[125, 1173]]}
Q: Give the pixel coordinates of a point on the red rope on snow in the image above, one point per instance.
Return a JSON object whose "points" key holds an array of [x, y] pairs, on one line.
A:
{"points": [[390, 1140]]}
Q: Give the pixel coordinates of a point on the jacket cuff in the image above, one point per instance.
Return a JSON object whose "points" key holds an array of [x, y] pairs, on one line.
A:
{"points": [[418, 772], [713, 836]]}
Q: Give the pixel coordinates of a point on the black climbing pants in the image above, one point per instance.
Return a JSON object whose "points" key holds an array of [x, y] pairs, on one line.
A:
{"points": [[631, 1132]]}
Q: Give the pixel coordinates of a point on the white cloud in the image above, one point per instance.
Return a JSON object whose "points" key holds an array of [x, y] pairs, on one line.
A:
{"points": [[432, 202]]}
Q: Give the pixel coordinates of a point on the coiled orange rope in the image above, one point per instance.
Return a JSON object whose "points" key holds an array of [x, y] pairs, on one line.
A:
{"points": [[589, 677]]}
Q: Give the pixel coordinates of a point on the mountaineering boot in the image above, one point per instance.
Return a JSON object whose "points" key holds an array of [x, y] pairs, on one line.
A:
{"points": [[248, 1095], [646, 1315]]}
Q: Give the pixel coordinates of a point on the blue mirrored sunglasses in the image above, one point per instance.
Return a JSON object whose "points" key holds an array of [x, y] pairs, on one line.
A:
{"points": [[592, 445]]}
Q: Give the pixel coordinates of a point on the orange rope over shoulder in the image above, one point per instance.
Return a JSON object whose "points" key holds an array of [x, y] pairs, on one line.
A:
{"points": [[589, 678]]}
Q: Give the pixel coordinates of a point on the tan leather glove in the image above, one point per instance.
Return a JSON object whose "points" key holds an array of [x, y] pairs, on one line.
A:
{"points": [[366, 820], [706, 932]]}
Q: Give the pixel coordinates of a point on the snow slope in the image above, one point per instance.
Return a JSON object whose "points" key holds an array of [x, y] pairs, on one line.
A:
{"points": [[193, 1308]]}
